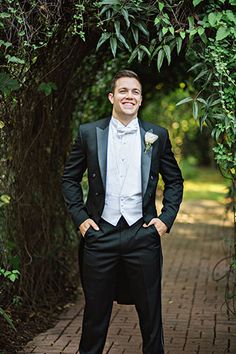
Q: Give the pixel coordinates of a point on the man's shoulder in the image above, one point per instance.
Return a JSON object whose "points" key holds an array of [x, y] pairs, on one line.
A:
{"points": [[93, 125], [156, 129]]}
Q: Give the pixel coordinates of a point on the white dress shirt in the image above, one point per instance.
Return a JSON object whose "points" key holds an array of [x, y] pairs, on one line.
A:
{"points": [[123, 180]]}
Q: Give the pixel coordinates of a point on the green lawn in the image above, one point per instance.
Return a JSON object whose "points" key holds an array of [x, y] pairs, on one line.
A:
{"points": [[204, 183]]}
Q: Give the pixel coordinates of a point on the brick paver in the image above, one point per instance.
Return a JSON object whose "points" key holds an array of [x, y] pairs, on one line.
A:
{"points": [[194, 319]]}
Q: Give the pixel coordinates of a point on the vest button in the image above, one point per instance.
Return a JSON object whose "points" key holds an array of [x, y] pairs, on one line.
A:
{"points": [[96, 193], [94, 175], [152, 177], [150, 194]]}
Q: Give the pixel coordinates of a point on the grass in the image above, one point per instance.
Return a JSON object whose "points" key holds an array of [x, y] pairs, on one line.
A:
{"points": [[204, 183]]}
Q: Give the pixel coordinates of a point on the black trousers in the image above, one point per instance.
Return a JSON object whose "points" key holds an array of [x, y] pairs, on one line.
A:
{"points": [[138, 249]]}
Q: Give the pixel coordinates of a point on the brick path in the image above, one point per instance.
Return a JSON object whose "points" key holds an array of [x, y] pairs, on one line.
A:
{"points": [[194, 321]]}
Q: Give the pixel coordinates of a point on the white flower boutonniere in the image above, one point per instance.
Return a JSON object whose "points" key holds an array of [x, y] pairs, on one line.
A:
{"points": [[149, 138]]}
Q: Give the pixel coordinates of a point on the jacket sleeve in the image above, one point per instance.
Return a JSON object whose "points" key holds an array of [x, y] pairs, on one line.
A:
{"points": [[173, 184], [74, 169]]}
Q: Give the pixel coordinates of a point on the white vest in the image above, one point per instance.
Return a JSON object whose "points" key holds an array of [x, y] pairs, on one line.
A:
{"points": [[123, 180]]}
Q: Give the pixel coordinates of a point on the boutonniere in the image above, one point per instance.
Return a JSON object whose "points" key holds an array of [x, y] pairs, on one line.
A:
{"points": [[149, 138]]}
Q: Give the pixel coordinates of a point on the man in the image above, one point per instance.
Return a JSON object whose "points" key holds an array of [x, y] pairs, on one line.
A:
{"points": [[120, 248]]}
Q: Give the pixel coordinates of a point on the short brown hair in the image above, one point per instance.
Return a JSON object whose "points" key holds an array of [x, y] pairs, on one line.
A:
{"points": [[124, 73]]}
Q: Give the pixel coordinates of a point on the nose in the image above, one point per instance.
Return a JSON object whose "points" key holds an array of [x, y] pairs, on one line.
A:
{"points": [[129, 94]]}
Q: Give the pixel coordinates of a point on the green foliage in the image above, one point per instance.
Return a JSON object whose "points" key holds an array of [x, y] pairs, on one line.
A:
{"points": [[92, 100], [12, 275], [4, 199], [7, 84], [214, 104], [47, 87], [122, 23], [7, 317], [7, 276], [28, 32]]}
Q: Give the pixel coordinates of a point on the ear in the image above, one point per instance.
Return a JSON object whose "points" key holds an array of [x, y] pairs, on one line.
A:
{"points": [[111, 97]]}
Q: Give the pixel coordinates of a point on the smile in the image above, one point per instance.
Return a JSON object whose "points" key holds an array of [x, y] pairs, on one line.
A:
{"points": [[128, 104]]}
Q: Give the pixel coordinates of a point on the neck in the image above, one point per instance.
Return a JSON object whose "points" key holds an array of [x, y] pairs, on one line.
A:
{"points": [[124, 120]]}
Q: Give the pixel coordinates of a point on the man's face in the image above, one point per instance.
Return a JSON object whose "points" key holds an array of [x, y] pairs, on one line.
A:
{"points": [[126, 99]]}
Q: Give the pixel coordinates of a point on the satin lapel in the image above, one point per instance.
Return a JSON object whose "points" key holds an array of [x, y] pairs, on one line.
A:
{"points": [[102, 140], [145, 160]]}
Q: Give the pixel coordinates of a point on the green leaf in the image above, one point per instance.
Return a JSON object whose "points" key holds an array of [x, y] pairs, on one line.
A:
{"points": [[13, 59], [4, 15], [160, 59], [161, 6], [192, 32], [191, 22], [143, 28], [216, 102], [185, 100], [47, 87], [126, 17], [222, 33], [157, 20], [133, 54], [5, 198], [7, 318], [117, 28], [195, 66], [231, 16], [212, 18], [135, 34], [5, 44], [113, 44], [200, 31], [179, 42], [140, 55], [201, 74], [182, 34], [15, 271], [167, 53], [7, 84], [199, 99], [165, 30], [204, 38], [110, 2], [104, 37], [172, 30], [195, 110], [196, 2], [166, 20], [202, 121], [13, 277], [145, 49], [123, 41]]}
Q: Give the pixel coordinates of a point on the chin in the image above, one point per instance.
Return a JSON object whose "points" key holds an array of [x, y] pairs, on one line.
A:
{"points": [[129, 113]]}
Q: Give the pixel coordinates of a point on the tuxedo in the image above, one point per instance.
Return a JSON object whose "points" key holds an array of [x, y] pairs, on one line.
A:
{"points": [[90, 153]]}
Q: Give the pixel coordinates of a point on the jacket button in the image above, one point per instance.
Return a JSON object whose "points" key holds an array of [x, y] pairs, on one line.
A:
{"points": [[150, 194], [94, 175], [152, 177], [96, 193]]}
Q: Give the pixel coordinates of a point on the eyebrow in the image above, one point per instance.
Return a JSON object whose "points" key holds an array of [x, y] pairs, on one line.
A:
{"points": [[126, 88]]}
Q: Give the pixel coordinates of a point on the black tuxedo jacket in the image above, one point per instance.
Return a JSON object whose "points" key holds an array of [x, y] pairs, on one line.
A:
{"points": [[90, 152]]}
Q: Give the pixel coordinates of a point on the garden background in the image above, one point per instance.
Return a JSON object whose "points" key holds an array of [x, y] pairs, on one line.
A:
{"points": [[57, 61]]}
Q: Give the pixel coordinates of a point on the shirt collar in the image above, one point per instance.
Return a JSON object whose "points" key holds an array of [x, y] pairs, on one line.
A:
{"points": [[117, 124]]}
